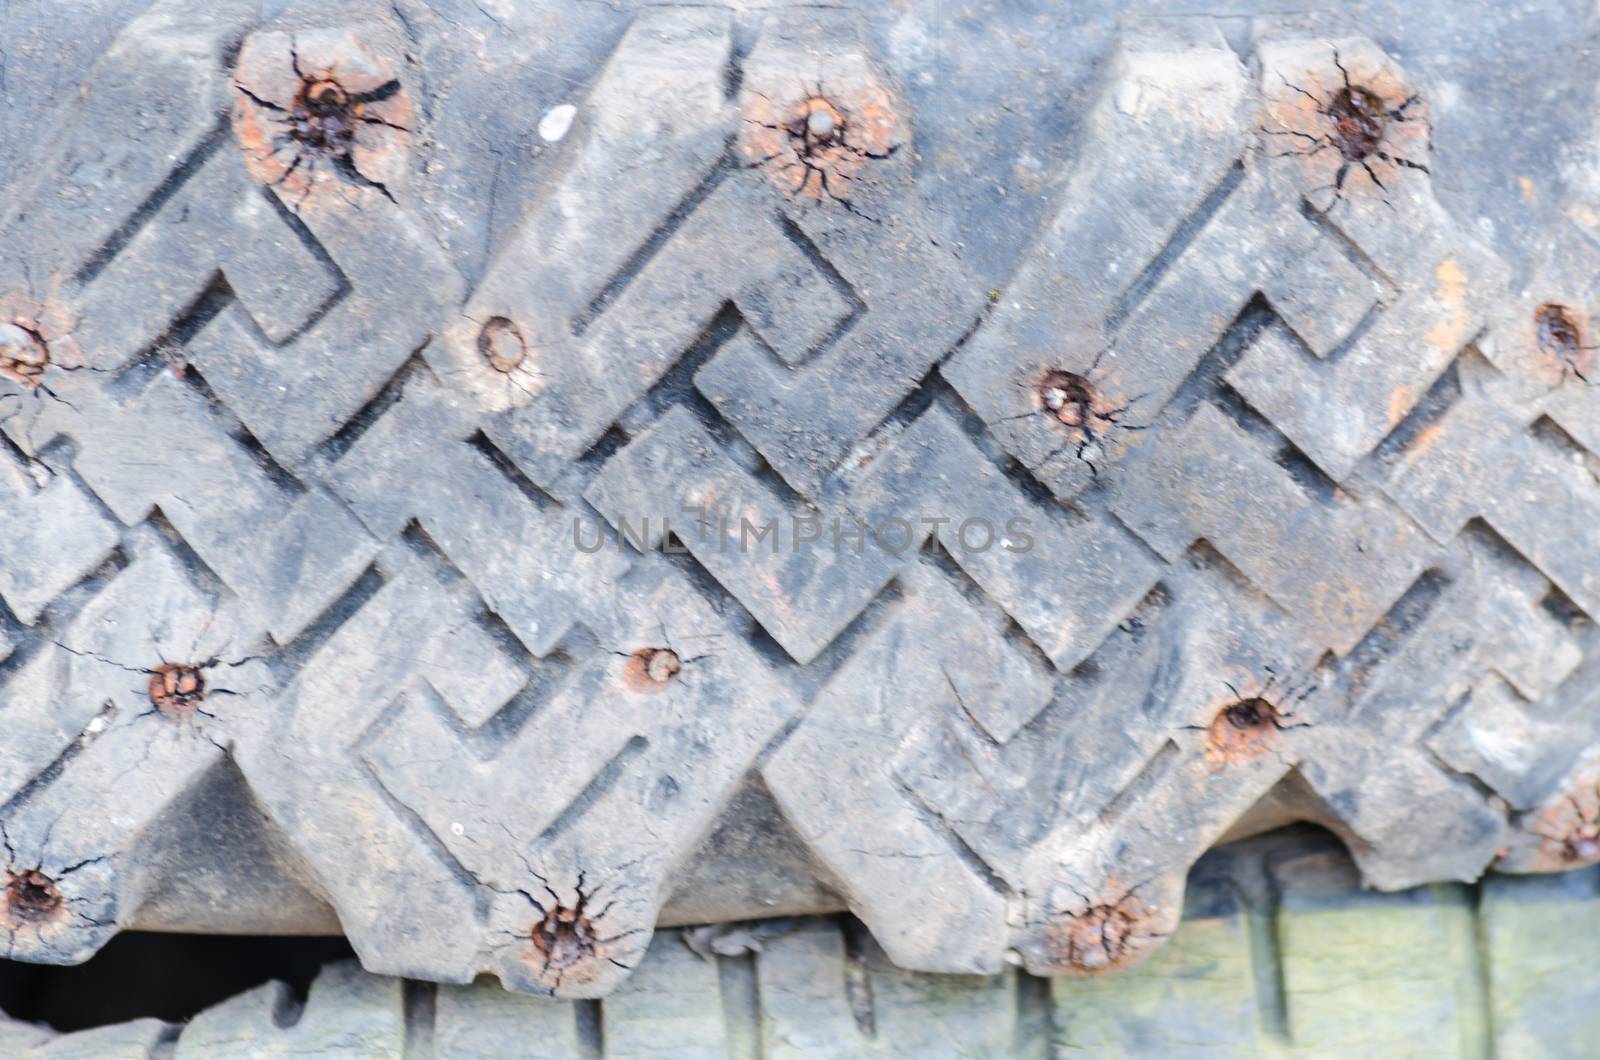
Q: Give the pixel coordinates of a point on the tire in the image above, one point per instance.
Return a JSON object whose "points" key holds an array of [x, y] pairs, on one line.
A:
{"points": [[496, 484], [1278, 947]]}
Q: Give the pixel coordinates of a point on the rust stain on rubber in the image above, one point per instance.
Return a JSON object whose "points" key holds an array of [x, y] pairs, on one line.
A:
{"points": [[1356, 127], [1247, 725], [1566, 830], [1242, 731], [817, 146], [1106, 935]]}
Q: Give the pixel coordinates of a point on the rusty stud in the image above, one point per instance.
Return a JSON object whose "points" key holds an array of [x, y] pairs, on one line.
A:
{"points": [[1073, 401], [323, 120], [177, 689], [501, 343], [651, 669], [1557, 332], [1243, 731], [1359, 119], [319, 108], [31, 896], [818, 145], [23, 354], [564, 938]]}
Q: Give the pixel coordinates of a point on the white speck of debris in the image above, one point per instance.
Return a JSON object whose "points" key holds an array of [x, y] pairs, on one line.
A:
{"points": [[96, 726], [554, 125], [457, 829]]}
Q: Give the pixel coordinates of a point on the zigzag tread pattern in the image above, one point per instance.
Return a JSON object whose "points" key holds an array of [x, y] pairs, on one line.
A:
{"points": [[495, 585]]}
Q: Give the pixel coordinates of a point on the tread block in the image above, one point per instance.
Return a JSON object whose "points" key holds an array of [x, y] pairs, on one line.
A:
{"points": [[348, 1013], [1211, 480], [1404, 961], [676, 476], [1534, 930], [672, 1007], [54, 537]]}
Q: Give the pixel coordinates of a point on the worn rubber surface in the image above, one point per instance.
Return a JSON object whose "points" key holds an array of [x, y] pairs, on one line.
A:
{"points": [[492, 481], [1280, 954]]}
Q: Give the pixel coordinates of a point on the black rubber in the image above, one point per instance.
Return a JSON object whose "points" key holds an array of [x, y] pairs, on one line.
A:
{"points": [[493, 483]]}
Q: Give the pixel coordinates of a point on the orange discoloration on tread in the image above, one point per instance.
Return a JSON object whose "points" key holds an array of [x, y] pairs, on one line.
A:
{"points": [[1451, 295]]}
